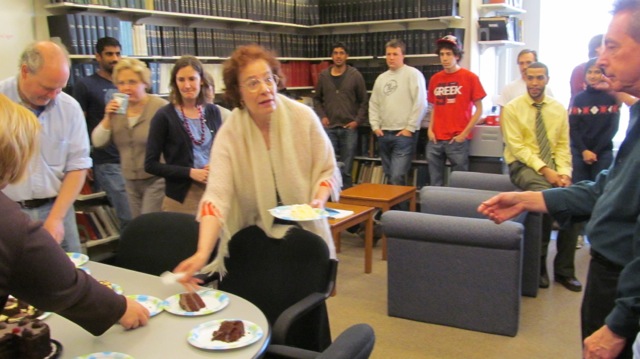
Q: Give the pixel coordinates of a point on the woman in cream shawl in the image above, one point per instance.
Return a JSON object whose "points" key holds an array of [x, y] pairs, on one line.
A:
{"points": [[271, 151]]}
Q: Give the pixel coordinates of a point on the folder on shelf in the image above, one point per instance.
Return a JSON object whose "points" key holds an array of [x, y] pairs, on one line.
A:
{"points": [[496, 28]]}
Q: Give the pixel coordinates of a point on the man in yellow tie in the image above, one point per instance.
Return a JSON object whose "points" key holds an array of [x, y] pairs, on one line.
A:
{"points": [[536, 135]]}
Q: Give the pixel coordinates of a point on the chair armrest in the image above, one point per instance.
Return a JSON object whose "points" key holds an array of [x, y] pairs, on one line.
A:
{"points": [[356, 342], [284, 352], [482, 181], [333, 274], [293, 313]]}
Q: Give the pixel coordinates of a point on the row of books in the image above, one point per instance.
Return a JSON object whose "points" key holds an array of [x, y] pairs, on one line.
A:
{"points": [[373, 43], [296, 73], [302, 12], [79, 32], [337, 11], [97, 222], [366, 171]]}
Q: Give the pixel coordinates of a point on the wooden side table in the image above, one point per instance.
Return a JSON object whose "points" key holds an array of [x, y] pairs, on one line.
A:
{"points": [[382, 196], [360, 214]]}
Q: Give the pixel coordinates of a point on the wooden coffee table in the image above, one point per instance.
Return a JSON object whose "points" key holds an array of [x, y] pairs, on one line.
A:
{"points": [[360, 214], [382, 196]]}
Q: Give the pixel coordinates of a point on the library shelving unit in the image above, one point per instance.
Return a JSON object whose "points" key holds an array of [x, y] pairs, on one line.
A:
{"points": [[290, 46], [104, 247], [499, 10]]}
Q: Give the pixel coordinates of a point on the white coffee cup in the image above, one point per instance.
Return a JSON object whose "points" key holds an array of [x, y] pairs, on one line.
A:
{"points": [[123, 102]]}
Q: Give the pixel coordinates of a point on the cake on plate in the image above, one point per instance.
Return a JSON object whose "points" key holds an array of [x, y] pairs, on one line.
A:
{"points": [[191, 302], [229, 331], [26, 339]]}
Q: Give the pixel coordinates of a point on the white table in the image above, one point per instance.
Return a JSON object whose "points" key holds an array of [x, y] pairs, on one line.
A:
{"points": [[165, 336]]}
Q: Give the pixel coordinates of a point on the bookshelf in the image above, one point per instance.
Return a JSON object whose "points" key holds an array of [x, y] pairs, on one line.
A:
{"points": [[97, 227], [497, 10], [308, 40]]}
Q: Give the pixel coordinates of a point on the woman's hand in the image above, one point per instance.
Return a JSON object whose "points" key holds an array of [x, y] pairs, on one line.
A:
{"points": [[112, 106], [199, 175], [189, 267]]}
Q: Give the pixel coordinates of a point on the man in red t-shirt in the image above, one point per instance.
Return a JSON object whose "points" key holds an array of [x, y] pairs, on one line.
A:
{"points": [[453, 94]]}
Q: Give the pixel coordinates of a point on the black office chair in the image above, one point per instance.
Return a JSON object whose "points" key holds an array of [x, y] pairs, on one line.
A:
{"points": [[288, 279], [156, 242], [354, 343]]}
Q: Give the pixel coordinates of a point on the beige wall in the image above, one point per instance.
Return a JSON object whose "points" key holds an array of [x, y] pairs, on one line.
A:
{"points": [[17, 28]]}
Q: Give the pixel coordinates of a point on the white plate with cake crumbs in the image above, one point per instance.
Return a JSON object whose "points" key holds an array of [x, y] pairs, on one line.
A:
{"points": [[154, 305], [298, 212], [213, 299], [105, 355], [202, 335], [78, 259]]}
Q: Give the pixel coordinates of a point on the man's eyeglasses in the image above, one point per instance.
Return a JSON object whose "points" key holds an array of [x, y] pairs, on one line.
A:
{"points": [[253, 84]]}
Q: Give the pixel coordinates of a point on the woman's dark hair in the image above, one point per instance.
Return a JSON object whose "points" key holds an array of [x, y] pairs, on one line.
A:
{"points": [[175, 96]]}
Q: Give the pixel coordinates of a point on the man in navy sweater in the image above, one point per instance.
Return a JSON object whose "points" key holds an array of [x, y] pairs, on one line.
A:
{"points": [[611, 303]]}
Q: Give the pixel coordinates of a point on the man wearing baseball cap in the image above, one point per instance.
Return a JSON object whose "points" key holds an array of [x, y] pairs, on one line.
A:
{"points": [[453, 93]]}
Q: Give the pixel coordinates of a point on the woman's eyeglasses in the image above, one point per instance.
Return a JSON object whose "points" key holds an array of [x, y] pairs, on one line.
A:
{"points": [[253, 84]]}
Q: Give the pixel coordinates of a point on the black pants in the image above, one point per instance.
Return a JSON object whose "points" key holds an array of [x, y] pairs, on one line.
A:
{"points": [[599, 299]]}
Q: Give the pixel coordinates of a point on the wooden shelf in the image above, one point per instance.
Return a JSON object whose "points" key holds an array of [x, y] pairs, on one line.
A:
{"points": [[97, 242], [501, 43], [87, 197], [499, 9]]}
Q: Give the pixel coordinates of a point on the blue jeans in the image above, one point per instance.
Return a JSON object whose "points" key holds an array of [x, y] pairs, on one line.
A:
{"points": [[71, 241], [344, 141], [439, 152], [108, 177], [396, 153]]}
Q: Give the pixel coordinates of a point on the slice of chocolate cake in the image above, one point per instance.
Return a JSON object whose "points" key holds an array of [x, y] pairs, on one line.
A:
{"points": [[27, 339], [191, 302], [229, 331]]}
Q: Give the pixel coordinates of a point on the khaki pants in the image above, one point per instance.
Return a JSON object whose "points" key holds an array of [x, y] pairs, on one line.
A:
{"points": [[191, 201]]}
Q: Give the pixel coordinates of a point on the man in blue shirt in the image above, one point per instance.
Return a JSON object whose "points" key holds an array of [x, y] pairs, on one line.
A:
{"points": [[56, 175], [611, 303], [93, 93]]}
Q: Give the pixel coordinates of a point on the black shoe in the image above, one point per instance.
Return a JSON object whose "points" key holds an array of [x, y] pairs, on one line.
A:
{"points": [[571, 283], [544, 280]]}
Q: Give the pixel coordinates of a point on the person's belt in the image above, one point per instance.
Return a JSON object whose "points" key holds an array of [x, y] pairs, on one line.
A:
{"points": [[35, 203], [605, 262]]}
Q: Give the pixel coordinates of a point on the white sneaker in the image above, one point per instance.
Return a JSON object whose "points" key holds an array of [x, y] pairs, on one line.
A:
{"points": [[580, 242]]}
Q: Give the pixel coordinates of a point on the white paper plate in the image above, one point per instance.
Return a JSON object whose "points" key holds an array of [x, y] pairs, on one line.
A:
{"points": [[213, 299], [105, 355], [78, 259], [116, 287], [153, 304], [285, 212], [201, 335]]}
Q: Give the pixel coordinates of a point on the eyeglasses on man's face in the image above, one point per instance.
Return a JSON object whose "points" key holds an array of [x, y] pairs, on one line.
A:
{"points": [[253, 84]]}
